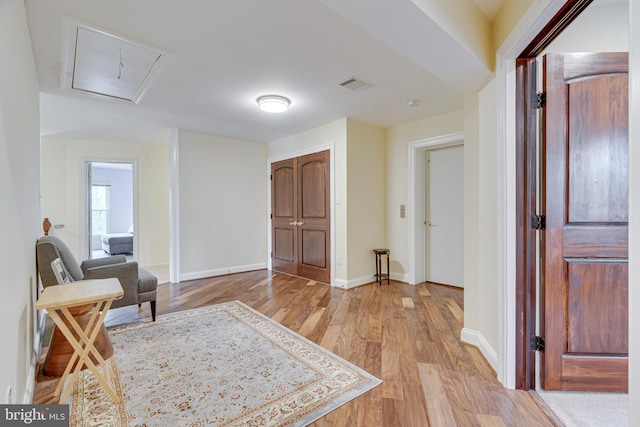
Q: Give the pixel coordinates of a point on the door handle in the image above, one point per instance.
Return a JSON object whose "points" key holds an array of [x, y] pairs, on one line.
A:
{"points": [[293, 223], [429, 224], [300, 224], [296, 223]]}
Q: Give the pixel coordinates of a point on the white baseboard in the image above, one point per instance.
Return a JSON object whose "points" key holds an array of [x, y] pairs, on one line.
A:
{"points": [[365, 280], [400, 277], [475, 338], [222, 271], [156, 266], [29, 391], [340, 283], [354, 283]]}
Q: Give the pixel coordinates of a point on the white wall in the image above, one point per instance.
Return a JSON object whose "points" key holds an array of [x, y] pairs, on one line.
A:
{"points": [[464, 21], [597, 29], [223, 205], [63, 186], [19, 203]]}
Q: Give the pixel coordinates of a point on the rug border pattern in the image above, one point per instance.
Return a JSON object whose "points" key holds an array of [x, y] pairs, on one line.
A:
{"points": [[276, 333]]}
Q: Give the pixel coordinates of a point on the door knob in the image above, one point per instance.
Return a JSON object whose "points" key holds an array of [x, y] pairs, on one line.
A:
{"points": [[293, 223], [300, 224], [429, 224]]}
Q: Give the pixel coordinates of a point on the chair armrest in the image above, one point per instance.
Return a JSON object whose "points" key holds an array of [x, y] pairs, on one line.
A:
{"points": [[127, 273], [98, 262]]}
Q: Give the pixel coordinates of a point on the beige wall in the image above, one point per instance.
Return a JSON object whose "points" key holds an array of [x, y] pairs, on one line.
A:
{"points": [[481, 252], [19, 203], [506, 19], [359, 191], [478, 120], [473, 287], [223, 205], [397, 186], [365, 201], [63, 184], [335, 134]]}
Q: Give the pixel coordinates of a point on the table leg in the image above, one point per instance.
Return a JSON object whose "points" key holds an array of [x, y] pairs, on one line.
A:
{"points": [[81, 335], [82, 347], [388, 272]]}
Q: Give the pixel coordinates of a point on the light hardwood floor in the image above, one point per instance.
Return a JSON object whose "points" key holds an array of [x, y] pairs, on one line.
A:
{"points": [[408, 336]]}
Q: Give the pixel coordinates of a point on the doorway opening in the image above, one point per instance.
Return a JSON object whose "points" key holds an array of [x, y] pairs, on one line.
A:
{"points": [[110, 209], [571, 30], [301, 216], [418, 202]]}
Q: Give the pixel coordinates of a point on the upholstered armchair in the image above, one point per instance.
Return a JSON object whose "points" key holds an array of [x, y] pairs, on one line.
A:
{"points": [[138, 284]]}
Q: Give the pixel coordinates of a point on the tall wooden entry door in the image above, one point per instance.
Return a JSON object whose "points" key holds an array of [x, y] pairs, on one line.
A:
{"points": [[585, 199], [300, 217]]}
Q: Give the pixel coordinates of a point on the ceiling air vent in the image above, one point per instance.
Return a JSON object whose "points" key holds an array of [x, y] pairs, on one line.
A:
{"points": [[356, 84]]}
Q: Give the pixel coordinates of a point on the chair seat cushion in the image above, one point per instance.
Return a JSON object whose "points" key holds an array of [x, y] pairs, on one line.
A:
{"points": [[147, 282]]}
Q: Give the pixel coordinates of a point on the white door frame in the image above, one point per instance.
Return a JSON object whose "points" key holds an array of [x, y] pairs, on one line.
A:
{"points": [[85, 207], [174, 206], [416, 208], [634, 212]]}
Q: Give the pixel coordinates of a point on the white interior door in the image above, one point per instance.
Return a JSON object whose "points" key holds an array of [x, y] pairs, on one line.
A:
{"points": [[444, 231]]}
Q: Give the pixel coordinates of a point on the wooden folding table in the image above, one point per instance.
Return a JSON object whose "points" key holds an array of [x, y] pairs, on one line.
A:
{"points": [[57, 300]]}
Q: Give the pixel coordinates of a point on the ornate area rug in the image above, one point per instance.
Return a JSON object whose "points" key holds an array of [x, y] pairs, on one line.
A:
{"points": [[223, 365]]}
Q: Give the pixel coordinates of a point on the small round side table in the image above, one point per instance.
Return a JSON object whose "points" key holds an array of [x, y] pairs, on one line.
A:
{"points": [[380, 276]]}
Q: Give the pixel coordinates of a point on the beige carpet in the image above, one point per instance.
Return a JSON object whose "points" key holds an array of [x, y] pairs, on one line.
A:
{"points": [[223, 365], [582, 409]]}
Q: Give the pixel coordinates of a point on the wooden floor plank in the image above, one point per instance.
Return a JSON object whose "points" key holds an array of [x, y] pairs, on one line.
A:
{"points": [[409, 336], [437, 404]]}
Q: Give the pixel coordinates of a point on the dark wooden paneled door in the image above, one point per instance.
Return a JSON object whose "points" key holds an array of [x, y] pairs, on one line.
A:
{"points": [[585, 198], [301, 216], [284, 216]]}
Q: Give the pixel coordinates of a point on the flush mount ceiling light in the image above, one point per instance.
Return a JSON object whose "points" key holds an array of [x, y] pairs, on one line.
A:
{"points": [[273, 103]]}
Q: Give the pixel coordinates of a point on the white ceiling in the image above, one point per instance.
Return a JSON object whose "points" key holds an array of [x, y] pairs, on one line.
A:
{"points": [[490, 8], [222, 55]]}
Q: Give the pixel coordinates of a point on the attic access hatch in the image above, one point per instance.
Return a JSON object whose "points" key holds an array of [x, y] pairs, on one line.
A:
{"points": [[106, 65]]}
